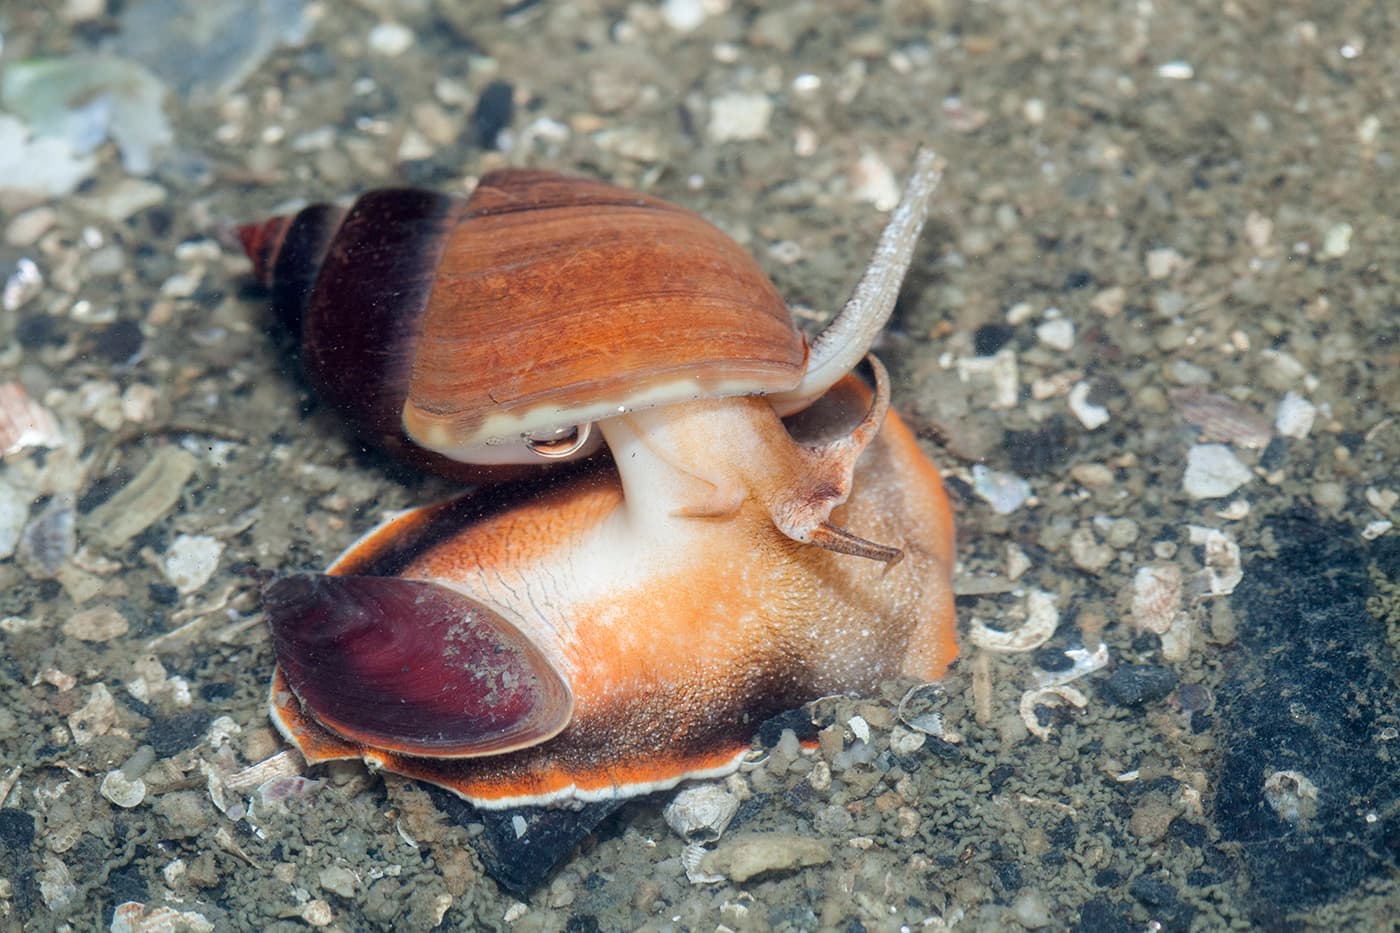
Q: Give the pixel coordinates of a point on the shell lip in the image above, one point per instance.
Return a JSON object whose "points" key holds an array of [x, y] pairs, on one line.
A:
{"points": [[502, 435]]}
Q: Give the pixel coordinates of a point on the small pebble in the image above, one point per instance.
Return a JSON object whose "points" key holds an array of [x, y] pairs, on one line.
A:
{"points": [[337, 879], [1161, 263], [1087, 552], [1031, 910], [683, 15], [1057, 334], [98, 624], [739, 116], [390, 39], [184, 814], [1152, 817], [1337, 242], [191, 561], [27, 227], [748, 855], [317, 913]]}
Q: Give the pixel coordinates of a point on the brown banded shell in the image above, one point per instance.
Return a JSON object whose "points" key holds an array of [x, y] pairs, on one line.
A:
{"points": [[541, 303]]}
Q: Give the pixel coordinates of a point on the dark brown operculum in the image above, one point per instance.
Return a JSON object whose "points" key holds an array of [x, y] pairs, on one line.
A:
{"points": [[352, 286]]}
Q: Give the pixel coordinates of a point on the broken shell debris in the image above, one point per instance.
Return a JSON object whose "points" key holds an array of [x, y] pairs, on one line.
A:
{"points": [[1221, 418], [1059, 694], [701, 813], [1213, 472], [1223, 571], [135, 917], [1004, 492], [25, 423], [1156, 597], [1041, 620]]}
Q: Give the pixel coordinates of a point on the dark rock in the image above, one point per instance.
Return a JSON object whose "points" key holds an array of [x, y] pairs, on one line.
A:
{"points": [[119, 344], [495, 109], [1041, 450], [170, 735], [1166, 908], [16, 829], [521, 862], [1275, 452], [1010, 875], [1137, 684], [1101, 915], [989, 338], [1077, 279], [1108, 878], [1064, 833]]}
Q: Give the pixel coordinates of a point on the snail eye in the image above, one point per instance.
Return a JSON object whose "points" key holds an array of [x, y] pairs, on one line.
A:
{"points": [[560, 444]]}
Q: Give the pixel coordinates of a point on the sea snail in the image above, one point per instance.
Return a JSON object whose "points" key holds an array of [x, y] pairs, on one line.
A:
{"points": [[617, 627]]}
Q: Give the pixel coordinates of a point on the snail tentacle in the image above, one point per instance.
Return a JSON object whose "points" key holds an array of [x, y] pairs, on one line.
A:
{"points": [[849, 336]]}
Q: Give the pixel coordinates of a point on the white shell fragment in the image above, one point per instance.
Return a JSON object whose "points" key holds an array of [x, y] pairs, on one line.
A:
{"points": [[1337, 242], [691, 856], [920, 714], [56, 886], [998, 373], [191, 561], [1004, 492], [1382, 500], [1223, 568], [1295, 416], [95, 717], [1041, 620], [1090, 415], [123, 791], [1040, 696], [873, 181], [701, 813], [1213, 472], [1176, 641], [1156, 597], [683, 15], [14, 513], [1375, 529], [1291, 795], [284, 764]]}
